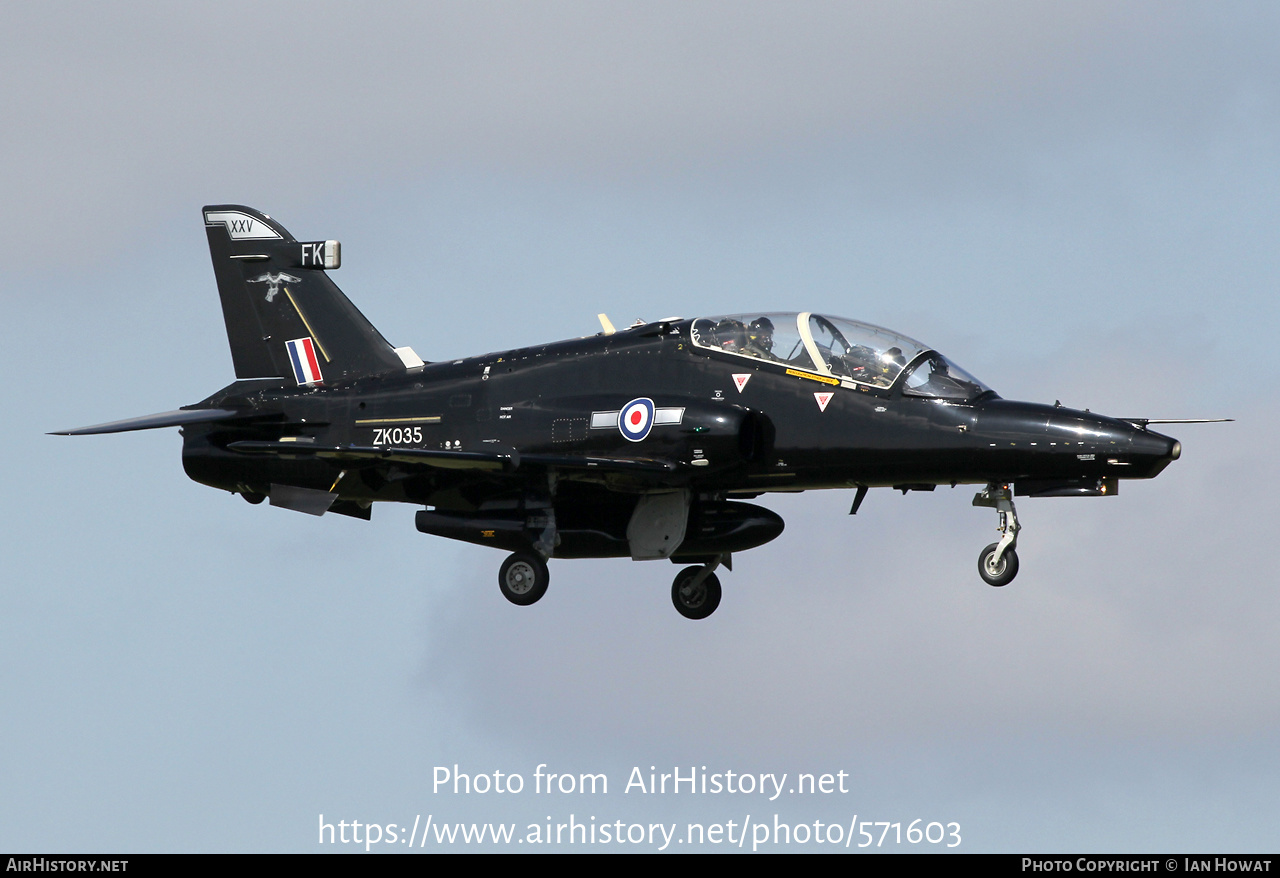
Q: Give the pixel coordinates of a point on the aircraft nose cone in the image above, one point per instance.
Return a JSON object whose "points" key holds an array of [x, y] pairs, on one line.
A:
{"points": [[1152, 452]]}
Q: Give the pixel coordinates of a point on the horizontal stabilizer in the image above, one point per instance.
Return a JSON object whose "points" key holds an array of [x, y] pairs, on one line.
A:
{"points": [[177, 418]]}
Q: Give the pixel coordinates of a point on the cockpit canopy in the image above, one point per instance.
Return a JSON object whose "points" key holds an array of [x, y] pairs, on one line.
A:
{"points": [[852, 352]]}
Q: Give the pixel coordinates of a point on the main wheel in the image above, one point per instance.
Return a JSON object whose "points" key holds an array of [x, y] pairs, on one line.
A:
{"points": [[691, 602], [523, 578], [998, 574]]}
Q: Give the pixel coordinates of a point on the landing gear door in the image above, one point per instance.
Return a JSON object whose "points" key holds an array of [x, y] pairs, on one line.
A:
{"points": [[657, 525]]}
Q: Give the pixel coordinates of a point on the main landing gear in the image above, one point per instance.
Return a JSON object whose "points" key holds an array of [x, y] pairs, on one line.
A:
{"points": [[523, 578], [998, 563], [696, 590]]}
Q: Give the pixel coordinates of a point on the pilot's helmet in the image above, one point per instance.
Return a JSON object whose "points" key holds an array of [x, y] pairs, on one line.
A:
{"points": [[893, 357], [731, 335], [761, 333]]}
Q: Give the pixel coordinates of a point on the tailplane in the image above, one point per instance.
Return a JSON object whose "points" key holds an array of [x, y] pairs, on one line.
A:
{"points": [[285, 318]]}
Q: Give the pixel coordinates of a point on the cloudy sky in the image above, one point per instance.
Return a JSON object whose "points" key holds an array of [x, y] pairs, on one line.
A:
{"points": [[1074, 201]]}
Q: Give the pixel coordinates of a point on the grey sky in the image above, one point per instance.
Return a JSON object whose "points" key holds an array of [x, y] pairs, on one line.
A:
{"points": [[1074, 201], [121, 104]]}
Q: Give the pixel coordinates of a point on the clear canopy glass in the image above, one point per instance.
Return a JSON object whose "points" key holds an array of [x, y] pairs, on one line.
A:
{"points": [[835, 347]]}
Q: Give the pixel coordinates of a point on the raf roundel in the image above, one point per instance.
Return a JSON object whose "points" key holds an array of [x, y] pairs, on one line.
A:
{"points": [[636, 419]]}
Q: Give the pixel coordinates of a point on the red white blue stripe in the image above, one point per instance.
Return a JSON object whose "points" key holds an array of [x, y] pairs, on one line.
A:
{"points": [[302, 354]]}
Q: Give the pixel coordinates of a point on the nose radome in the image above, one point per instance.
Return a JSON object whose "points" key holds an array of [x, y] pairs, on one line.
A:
{"points": [[1176, 451]]}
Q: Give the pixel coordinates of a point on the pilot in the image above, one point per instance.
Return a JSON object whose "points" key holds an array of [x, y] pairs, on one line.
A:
{"points": [[731, 335], [893, 357], [890, 364], [760, 338]]}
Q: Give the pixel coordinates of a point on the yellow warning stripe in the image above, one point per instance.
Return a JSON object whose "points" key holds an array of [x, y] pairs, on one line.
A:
{"points": [[429, 419], [310, 331], [823, 378]]}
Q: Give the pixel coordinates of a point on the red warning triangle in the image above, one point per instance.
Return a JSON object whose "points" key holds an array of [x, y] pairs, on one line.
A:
{"points": [[823, 397], [741, 379]]}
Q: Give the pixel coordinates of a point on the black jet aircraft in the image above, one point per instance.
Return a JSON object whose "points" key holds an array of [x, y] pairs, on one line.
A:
{"points": [[643, 442]]}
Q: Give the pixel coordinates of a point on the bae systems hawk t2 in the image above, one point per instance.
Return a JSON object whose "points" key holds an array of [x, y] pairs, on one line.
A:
{"points": [[644, 442]]}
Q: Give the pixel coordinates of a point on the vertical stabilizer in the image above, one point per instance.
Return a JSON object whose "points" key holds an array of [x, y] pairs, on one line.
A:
{"points": [[285, 318]]}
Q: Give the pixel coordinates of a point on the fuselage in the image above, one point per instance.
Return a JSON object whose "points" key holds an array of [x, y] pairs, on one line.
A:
{"points": [[728, 424]]}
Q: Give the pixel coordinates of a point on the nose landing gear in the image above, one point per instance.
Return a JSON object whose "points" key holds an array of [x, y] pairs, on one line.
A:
{"points": [[998, 563]]}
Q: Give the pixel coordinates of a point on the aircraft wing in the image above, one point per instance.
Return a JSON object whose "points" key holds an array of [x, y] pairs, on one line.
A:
{"points": [[621, 464], [505, 460], [480, 460]]}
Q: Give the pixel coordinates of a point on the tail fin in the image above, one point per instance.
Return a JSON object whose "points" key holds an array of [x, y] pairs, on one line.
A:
{"points": [[285, 318]]}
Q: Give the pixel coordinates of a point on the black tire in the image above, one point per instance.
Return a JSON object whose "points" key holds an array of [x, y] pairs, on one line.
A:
{"points": [[697, 604], [523, 578], [1008, 566]]}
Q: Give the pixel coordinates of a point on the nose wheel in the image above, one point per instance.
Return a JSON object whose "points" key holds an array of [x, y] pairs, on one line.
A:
{"points": [[523, 578], [996, 569], [998, 563]]}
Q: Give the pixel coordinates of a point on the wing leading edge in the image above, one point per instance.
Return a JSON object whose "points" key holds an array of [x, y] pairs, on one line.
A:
{"points": [[506, 460]]}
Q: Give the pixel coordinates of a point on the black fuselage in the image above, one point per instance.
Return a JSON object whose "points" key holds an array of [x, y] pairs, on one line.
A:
{"points": [[771, 435]]}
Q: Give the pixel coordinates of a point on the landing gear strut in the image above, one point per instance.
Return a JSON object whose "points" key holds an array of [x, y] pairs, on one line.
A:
{"points": [[696, 591], [523, 578], [998, 563]]}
